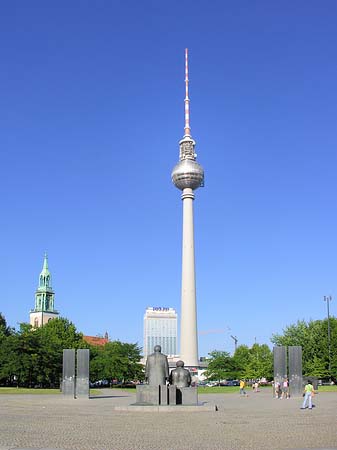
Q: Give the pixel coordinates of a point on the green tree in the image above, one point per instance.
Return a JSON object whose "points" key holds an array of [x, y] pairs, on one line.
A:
{"points": [[220, 366], [117, 360], [4, 329], [241, 359], [57, 335], [260, 363], [20, 357]]}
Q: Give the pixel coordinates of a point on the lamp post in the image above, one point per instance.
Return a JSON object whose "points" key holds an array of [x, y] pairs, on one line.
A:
{"points": [[235, 339], [327, 299]]}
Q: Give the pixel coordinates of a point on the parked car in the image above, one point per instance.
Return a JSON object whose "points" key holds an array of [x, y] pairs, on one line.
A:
{"points": [[100, 383], [233, 383]]}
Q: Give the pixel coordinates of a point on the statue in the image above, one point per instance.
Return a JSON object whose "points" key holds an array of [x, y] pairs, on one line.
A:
{"points": [[156, 369], [180, 377]]}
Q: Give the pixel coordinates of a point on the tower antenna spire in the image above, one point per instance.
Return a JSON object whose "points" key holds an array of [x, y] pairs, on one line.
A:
{"points": [[187, 100]]}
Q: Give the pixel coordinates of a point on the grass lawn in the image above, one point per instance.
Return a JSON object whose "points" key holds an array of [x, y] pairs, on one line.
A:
{"points": [[332, 388], [201, 390], [233, 389], [219, 389], [13, 390]]}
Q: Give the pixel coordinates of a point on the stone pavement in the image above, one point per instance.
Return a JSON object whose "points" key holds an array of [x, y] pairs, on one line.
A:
{"points": [[255, 423]]}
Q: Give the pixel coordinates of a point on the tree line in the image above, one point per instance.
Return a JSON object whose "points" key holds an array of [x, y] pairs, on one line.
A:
{"points": [[32, 357], [248, 363], [257, 362]]}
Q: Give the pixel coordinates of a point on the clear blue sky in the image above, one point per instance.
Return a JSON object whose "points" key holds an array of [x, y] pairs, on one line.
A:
{"points": [[91, 115]]}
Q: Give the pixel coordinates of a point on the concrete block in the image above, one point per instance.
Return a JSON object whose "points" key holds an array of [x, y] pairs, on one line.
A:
{"points": [[163, 400], [172, 395], [147, 395], [189, 395]]}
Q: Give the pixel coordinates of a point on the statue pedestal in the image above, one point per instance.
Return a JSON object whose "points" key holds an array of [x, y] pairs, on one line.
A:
{"points": [[147, 395], [163, 395], [189, 395], [151, 395], [172, 393], [183, 395]]}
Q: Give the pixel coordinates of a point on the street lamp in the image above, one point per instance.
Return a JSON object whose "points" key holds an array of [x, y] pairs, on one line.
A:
{"points": [[235, 339], [327, 299]]}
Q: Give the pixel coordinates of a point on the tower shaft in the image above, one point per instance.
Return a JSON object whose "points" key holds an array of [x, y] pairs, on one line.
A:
{"points": [[188, 332]]}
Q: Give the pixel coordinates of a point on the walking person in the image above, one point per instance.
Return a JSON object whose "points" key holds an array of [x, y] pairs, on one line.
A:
{"points": [[242, 388], [277, 389], [308, 394], [285, 388]]}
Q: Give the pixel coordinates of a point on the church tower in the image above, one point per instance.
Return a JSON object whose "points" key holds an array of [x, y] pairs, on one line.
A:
{"points": [[44, 299]]}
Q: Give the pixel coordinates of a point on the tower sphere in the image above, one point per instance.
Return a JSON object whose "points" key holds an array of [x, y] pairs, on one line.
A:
{"points": [[187, 174]]}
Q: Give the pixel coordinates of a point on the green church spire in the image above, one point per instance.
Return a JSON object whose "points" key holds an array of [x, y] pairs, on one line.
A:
{"points": [[44, 295], [44, 310], [45, 276]]}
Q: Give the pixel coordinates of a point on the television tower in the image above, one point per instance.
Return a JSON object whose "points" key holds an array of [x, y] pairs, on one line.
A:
{"points": [[187, 176]]}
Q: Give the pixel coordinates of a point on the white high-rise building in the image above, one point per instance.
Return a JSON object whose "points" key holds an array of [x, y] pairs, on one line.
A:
{"points": [[160, 328]]}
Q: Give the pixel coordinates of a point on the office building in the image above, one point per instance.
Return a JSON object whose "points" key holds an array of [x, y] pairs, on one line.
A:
{"points": [[160, 328]]}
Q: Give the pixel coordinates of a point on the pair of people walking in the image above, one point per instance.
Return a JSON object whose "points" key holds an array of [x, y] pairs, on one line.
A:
{"points": [[281, 390]]}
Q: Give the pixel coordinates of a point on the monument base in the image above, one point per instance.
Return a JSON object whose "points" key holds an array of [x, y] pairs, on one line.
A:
{"points": [[163, 395], [134, 407], [147, 395], [189, 395]]}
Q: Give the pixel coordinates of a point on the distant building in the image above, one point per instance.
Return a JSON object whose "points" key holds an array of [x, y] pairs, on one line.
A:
{"points": [[160, 328], [44, 299], [97, 340]]}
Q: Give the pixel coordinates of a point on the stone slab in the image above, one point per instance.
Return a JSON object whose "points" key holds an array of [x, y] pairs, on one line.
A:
{"points": [[295, 370], [146, 394], [163, 395], [68, 373], [82, 373], [280, 362], [189, 395], [172, 393]]}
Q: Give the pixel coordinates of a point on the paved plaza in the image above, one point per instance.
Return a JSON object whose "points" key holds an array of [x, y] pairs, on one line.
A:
{"points": [[105, 422]]}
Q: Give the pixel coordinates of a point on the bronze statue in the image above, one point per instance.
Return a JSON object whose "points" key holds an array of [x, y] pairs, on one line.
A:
{"points": [[180, 376], [156, 369]]}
